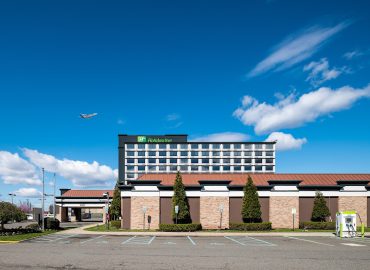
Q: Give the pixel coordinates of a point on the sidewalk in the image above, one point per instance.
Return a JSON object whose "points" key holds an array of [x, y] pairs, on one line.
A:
{"points": [[81, 230]]}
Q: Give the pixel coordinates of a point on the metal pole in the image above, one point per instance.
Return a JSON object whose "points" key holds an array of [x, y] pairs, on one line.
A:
{"points": [[54, 206], [293, 222], [144, 222], [42, 203]]}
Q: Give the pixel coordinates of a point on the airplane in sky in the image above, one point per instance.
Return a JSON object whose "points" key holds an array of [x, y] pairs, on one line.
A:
{"points": [[88, 115]]}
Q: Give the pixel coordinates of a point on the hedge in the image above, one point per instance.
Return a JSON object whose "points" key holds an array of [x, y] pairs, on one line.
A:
{"points": [[312, 225], [180, 227], [115, 224], [20, 230], [262, 226], [51, 223]]}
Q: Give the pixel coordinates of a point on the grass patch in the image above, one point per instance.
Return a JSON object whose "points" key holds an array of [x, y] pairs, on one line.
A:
{"points": [[21, 237], [103, 228]]}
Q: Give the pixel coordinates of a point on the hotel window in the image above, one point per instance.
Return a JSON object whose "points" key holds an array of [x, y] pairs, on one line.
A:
{"points": [[130, 168], [130, 146], [237, 154], [152, 161], [162, 146], [194, 160], [237, 146], [226, 146], [216, 146], [258, 168], [141, 146], [237, 160], [162, 160], [173, 154], [184, 153], [173, 168], [173, 146], [269, 146], [173, 161], [216, 161], [247, 146], [141, 160], [184, 160], [205, 153], [237, 168], [130, 153], [226, 161], [152, 146], [141, 168], [162, 153], [258, 146], [216, 168], [152, 168], [258, 153], [269, 168], [258, 160], [162, 168], [194, 153], [269, 154], [151, 153], [205, 168], [205, 160], [226, 168], [248, 168], [205, 146], [227, 154], [130, 175], [194, 146], [269, 160], [248, 161], [130, 160], [248, 154], [141, 153], [216, 153], [183, 146], [183, 168], [194, 168]]}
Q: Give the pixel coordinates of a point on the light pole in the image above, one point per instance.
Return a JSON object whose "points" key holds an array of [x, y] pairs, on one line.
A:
{"points": [[106, 194], [54, 206], [43, 200], [144, 211], [221, 209], [12, 195]]}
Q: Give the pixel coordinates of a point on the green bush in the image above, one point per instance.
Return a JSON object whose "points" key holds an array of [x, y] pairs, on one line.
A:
{"points": [[33, 227], [311, 225], [116, 224], [180, 227], [262, 226], [51, 223]]}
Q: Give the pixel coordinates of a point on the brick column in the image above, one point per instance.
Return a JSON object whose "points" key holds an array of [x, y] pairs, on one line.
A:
{"points": [[358, 203], [152, 205], [210, 213], [281, 211]]}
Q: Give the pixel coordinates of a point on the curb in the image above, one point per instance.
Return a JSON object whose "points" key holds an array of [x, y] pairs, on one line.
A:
{"points": [[9, 242]]}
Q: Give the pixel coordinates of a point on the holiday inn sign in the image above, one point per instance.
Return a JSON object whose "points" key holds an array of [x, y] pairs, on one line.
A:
{"points": [[145, 139]]}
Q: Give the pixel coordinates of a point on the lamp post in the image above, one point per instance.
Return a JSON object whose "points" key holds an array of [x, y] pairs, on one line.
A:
{"points": [[221, 209], [144, 211], [43, 200], [106, 195], [12, 195], [54, 206]]}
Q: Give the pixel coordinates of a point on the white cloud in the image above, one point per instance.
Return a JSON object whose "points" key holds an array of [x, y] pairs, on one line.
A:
{"points": [[28, 193], [320, 72], [292, 112], [16, 170], [222, 137], [81, 173], [172, 117], [296, 48], [174, 120], [285, 141], [352, 54]]}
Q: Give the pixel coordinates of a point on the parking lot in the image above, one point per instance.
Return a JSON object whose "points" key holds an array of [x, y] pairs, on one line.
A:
{"points": [[81, 251]]}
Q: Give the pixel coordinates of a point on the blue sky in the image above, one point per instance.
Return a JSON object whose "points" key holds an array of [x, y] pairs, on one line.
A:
{"points": [[296, 71]]}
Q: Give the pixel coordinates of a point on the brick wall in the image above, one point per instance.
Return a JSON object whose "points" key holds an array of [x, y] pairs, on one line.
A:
{"points": [[210, 213], [354, 203], [281, 212], [152, 205]]}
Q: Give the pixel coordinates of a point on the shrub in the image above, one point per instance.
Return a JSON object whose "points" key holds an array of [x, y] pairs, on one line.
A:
{"points": [[115, 207], [180, 227], [179, 198], [320, 210], [116, 224], [34, 227], [311, 225], [51, 223], [251, 208], [262, 226]]}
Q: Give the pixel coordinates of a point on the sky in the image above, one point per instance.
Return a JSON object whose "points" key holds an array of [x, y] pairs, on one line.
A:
{"points": [[292, 71]]}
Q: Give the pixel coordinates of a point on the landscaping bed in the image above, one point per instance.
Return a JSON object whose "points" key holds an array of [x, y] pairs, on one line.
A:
{"points": [[262, 226], [192, 227]]}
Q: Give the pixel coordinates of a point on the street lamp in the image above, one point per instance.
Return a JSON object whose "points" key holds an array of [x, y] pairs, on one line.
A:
{"points": [[43, 200], [221, 209], [12, 195], [144, 211], [106, 195]]}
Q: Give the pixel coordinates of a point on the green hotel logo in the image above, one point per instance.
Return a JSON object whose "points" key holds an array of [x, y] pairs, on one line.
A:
{"points": [[141, 139]]}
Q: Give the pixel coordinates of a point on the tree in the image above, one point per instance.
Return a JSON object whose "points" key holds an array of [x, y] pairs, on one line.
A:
{"points": [[115, 208], [320, 210], [251, 209], [179, 198], [9, 212]]}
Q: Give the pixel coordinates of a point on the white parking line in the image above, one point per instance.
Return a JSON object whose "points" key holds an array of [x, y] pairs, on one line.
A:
{"points": [[128, 240], [151, 240], [91, 239], [262, 241], [353, 245], [310, 241], [236, 241], [191, 240], [140, 240]]}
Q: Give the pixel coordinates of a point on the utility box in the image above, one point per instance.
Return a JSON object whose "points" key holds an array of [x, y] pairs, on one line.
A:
{"points": [[346, 224]]}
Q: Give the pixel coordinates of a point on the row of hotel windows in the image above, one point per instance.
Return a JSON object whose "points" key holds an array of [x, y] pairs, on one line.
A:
{"points": [[200, 153], [206, 146], [201, 161], [201, 169]]}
